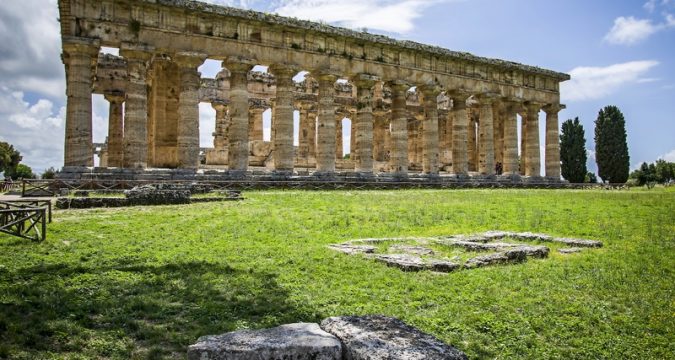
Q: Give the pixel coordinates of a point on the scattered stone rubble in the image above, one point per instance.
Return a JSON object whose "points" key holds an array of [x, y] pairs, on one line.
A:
{"points": [[372, 337], [417, 257]]}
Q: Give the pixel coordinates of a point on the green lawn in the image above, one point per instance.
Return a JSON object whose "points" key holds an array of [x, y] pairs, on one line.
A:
{"points": [[146, 282]]}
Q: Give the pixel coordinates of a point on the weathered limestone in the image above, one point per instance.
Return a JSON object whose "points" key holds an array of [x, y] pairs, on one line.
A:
{"points": [[552, 152], [377, 337], [460, 135], [363, 126], [283, 118], [398, 161], [79, 56], [325, 144], [532, 155], [486, 146], [136, 108], [238, 130], [188, 110], [339, 149], [218, 155], [393, 129], [115, 130], [511, 139], [430, 130], [300, 341]]}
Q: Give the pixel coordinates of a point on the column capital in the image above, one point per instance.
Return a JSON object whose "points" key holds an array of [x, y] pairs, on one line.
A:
{"points": [[533, 106], [399, 85], [430, 90], [326, 75], [487, 98], [553, 108], [136, 51], [283, 70], [239, 64], [219, 105], [77, 45], [115, 97], [187, 59], [364, 81]]}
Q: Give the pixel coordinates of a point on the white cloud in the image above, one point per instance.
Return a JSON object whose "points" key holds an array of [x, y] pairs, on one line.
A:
{"points": [[589, 83], [647, 80], [629, 30], [650, 5], [396, 16], [669, 156]]}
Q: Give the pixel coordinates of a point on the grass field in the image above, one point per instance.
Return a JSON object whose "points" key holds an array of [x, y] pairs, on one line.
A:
{"points": [[146, 282]]}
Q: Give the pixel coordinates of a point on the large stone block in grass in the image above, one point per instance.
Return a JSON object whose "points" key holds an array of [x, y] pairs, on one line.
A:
{"points": [[301, 341], [376, 337]]}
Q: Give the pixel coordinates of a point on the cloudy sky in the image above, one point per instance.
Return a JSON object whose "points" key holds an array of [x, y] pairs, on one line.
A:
{"points": [[618, 53]]}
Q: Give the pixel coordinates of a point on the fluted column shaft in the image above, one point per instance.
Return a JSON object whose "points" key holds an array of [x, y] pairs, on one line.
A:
{"points": [[238, 131], [283, 118], [303, 134], [398, 159], [511, 139], [472, 146], [222, 123], [486, 143], [378, 137], [459, 135], [363, 126], [78, 58], [552, 155], [533, 162], [255, 124], [136, 110], [188, 110], [325, 146], [430, 159], [311, 132], [523, 140], [338, 136], [115, 130]]}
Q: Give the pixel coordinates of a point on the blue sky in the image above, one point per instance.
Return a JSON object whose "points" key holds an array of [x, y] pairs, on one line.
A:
{"points": [[619, 53]]}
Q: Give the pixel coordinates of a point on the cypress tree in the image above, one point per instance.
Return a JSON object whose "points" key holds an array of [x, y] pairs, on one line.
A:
{"points": [[611, 148], [573, 151]]}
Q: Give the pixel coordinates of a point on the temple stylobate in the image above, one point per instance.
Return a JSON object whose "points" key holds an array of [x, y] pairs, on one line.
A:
{"points": [[414, 108]]}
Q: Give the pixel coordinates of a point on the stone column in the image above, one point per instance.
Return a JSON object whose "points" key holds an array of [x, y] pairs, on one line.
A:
{"points": [[283, 121], [353, 155], [363, 124], [222, 123], [378, 137], [552, 154], [255, 124], [188, 109], [533, 161], [523, 140], [459, 134], [303, 134], [412, 141], [115, 130], [311, 131], [398, 158], [78, 57], [325, 145], [511, 138], [472, 146], [238, 131], [136, 108], [486, 145], [430, 129], [498, 125], [338, 136]]}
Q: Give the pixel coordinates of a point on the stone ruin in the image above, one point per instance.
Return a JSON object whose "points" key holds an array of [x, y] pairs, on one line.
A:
{"points": [[419, 256], [372, 337], [149, 194]]}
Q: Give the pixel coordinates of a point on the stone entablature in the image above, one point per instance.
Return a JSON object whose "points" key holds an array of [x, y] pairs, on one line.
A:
{"points": [[461, 118]]}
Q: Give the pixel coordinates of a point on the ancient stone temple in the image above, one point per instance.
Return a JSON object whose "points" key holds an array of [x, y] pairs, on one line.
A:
{"points": [[414, 109]]}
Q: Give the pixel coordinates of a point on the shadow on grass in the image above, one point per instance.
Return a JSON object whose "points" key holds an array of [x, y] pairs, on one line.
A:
{"points": [[133, 310]]}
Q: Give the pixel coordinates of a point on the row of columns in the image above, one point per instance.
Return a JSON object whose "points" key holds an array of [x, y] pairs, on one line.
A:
{"points": [[128, 138]]}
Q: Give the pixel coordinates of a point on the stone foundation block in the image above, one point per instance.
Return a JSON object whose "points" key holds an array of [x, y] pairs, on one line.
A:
{"points": [[377, 337], [301, 341]]}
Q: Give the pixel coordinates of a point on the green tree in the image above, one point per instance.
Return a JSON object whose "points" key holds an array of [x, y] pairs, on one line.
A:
{"points": [[665, 171], [611, 148], [573, 151], [49, 174], [9, 158], [591, 178], [21, 171]]}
